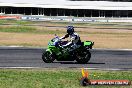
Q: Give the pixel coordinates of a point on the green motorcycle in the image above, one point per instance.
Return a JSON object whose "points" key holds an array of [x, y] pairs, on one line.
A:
{"points": [[55, 52]]}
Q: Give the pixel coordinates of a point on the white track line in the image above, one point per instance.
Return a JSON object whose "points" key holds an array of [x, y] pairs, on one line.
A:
{"points": [[18, 67], [112, 49], [107, 69], [113, 69], [46, 47]]}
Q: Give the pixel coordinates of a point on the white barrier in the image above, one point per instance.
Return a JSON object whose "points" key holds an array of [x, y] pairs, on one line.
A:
{"points": [[120, 20], [75, 19]]}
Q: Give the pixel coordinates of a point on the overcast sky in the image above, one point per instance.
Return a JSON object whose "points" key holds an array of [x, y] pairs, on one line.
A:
{"points": [[34, 1]]}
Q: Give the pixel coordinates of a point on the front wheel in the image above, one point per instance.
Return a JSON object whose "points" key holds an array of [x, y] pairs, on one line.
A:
{"points": [[83, 57], [48, 57]]}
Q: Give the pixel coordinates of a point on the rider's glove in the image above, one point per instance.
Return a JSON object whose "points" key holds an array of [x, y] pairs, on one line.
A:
{"points": [[61, 47], [61, 38]]}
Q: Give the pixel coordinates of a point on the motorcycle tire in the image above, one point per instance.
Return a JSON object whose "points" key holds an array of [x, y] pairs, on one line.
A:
{"points": [[48, 57], [83, 57]]}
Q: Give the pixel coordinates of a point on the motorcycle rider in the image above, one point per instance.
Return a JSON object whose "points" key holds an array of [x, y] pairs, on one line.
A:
{"points": [[74, 39]]}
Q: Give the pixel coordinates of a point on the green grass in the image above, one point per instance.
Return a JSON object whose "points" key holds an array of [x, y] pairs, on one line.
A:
{"points": [[28, 29], [21, 26], [17, 29], [96, 25], [55, 78], [18, 22], [93, 31]]}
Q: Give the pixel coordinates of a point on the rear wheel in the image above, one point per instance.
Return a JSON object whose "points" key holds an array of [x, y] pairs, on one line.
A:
{"points": [[48, 57], [83, 57]]}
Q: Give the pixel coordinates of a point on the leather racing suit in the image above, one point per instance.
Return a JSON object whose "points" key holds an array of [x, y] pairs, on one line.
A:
{"points": [[74, 41]]}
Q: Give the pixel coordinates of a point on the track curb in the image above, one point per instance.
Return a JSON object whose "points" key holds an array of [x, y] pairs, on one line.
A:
{"points": [[30, 47]]}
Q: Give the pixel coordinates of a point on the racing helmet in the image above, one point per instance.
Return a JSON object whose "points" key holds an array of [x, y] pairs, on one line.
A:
{"points": [[70, 29]]}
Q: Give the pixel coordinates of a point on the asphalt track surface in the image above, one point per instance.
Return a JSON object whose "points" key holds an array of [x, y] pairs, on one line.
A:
{"points": [[20, 57]]}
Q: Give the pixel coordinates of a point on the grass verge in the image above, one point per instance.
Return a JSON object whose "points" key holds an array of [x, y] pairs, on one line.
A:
{"points": [[18, 22], [55, 78], [105, 35], [17, 29]]}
